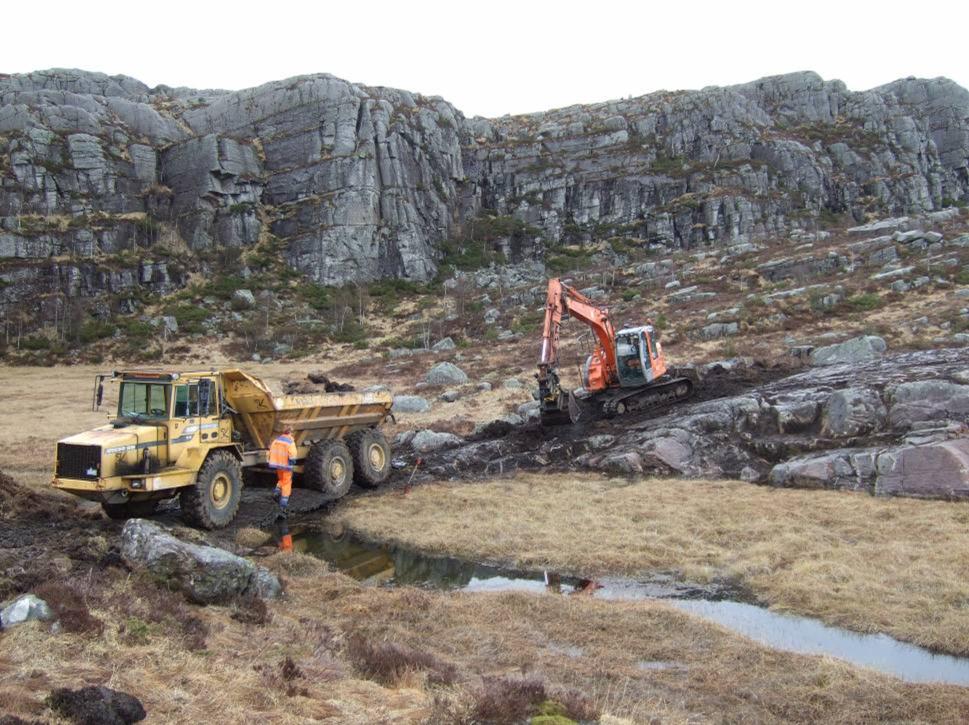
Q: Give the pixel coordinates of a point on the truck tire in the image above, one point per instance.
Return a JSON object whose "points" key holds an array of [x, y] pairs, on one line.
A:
{"points": [[129, 509], [328, 468], [213, 501], [371, 457]]}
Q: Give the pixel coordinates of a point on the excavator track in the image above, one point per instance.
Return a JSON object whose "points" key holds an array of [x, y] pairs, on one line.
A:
{"points": [[649, 398]]}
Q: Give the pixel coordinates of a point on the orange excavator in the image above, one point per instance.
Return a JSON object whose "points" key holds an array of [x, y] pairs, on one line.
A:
{"points": [[625, 373]]}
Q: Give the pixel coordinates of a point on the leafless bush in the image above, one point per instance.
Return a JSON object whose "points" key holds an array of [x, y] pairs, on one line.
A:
{"points": [[388, 663]]}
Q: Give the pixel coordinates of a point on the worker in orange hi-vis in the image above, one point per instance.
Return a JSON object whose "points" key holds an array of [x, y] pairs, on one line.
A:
{"points": [[282, 456]]}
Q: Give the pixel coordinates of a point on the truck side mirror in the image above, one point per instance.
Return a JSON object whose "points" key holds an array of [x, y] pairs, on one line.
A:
{"points": [[100, 394]]}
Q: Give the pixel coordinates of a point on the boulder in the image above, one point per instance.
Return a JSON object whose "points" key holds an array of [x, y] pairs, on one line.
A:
{"points": [[425, 441], [530, 410], [512, 384], [851, 412], [928, 400], [410, 404], [443, 345], [855, 350], [939, 470], [404, 437], [450, 396], [25, 608], [169, 324], [445, 373], [243, 299], [670, 451], [204, 574], [719, 329]]}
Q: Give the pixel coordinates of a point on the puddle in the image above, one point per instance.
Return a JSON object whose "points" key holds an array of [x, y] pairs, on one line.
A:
{"points": [[809, 636], [387, 566]]}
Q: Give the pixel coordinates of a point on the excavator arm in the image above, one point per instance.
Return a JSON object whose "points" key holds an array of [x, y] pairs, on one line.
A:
{"points": [[563, 300]]}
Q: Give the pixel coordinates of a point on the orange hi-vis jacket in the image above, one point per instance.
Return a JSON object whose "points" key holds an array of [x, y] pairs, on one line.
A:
{"points": [[282, 453]]}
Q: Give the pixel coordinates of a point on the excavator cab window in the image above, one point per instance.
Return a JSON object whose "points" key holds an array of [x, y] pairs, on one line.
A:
{"points": [[630, 360]]}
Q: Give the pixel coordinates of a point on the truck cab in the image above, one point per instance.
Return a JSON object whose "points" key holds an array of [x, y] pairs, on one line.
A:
{"points": [[166, 425]]}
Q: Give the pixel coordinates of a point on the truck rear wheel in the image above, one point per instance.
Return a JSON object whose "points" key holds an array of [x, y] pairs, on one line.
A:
{"points": [[329, 468], [213, 501], [129, 509], [371, 457]]}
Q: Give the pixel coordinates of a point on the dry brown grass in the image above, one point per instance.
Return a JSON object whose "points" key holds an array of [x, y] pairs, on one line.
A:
{"points": [[874, 565], [298, 666]]}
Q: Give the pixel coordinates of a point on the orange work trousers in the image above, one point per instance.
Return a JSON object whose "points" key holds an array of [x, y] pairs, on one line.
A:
{"points": [[284, 482]]}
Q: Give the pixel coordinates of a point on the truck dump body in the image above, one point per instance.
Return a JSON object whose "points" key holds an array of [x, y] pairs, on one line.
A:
{"points": [[319, 416]]}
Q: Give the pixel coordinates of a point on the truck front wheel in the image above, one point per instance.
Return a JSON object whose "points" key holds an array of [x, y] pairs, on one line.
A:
{"points": [[329, 468], [213, 501]]}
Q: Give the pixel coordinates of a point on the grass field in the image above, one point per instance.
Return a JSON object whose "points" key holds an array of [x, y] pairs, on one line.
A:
{"points": [[897, 566], [437, 658]]}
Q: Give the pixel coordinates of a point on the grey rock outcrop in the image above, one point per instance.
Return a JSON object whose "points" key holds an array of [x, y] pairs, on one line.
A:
{"points": [[358, 183], [892, 425], [205, 574], [855, 350], [852, 412], [425, 441]]}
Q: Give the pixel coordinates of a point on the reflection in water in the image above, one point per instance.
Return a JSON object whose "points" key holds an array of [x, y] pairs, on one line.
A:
{"points": [[374, 563], [284, 539]]}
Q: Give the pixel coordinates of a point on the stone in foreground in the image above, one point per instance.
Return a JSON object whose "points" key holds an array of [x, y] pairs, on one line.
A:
{"points": [[25, 608], [205, 574]]}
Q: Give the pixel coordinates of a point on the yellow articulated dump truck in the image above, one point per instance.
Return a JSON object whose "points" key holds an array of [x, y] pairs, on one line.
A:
{"points": [[193, 434]]}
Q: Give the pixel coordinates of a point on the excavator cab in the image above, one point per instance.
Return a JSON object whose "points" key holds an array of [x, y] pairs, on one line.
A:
{"points": [[639, 357]]}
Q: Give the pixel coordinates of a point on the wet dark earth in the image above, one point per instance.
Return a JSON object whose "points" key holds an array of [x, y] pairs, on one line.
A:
{"points": [[386, 565]]}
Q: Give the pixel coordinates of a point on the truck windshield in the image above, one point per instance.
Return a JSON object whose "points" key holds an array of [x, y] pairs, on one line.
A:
{"points": [[143, 400]]}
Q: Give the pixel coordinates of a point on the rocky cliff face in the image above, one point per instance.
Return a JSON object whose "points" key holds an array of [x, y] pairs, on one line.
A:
{"points": [[358, 183]]}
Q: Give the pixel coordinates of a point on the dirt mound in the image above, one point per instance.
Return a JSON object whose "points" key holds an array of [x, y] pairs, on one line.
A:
{"points": [[97, 706], [315, 383], [22, 502]]}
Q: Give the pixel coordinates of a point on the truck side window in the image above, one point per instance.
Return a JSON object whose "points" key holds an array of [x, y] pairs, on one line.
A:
{"points": [[206, 397], [186, 401]]}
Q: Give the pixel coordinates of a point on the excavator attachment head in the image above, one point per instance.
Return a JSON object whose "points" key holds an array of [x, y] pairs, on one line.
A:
{"points": [[564, 411]]}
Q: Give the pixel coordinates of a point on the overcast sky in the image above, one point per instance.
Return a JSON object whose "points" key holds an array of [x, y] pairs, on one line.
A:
{"points": [[492, 57]]}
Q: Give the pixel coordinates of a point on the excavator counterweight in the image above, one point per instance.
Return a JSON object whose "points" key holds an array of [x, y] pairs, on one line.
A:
{"points": [[625, 372]]}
